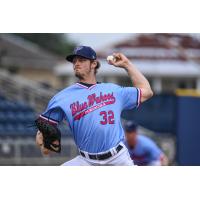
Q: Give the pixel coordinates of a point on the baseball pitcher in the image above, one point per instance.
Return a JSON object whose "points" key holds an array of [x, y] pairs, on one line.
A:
{"points": [[93, 111]]}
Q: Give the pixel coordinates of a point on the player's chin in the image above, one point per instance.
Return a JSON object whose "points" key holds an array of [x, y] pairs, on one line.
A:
{"points": [[78, 75]]}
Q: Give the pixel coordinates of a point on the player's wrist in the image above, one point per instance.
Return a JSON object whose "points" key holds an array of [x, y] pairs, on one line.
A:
{"points": [[128, 66]]}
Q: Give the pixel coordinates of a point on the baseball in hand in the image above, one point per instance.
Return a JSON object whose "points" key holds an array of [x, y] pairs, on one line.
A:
{"points": [[111, 58]]}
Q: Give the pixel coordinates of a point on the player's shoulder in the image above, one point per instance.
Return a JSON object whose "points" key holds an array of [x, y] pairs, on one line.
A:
{"points": [[146, 141], [64, 92], [110, 85]]}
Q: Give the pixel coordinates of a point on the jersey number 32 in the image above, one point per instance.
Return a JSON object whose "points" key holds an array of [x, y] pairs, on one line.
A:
{"points": [[107, 117]]}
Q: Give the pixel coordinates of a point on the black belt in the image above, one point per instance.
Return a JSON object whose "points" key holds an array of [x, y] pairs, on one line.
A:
{"points": [[102, 156]]}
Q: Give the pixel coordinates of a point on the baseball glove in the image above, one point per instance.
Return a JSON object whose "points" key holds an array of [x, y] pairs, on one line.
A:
{"points": [[50, 134]]}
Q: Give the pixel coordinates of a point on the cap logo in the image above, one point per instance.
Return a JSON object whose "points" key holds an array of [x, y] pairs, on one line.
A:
{"points": [[78, 49]]}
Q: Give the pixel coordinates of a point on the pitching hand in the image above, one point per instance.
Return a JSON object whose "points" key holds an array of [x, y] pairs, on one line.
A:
{"points": [[120, 60]]}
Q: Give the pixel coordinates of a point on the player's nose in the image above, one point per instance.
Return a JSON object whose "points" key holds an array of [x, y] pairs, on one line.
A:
{"points": [[76, 66], [76, 63]]}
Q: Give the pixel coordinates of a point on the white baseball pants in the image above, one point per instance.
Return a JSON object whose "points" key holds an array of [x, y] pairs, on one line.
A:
{"points": [[122, 158]]}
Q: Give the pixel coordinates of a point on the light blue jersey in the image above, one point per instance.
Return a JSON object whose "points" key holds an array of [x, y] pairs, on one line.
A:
{"points": [[93, 113], [145, 151]]}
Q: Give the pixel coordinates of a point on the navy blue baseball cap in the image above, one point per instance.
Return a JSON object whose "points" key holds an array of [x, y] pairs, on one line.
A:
{"points": [[83, 51], [130, 126]]}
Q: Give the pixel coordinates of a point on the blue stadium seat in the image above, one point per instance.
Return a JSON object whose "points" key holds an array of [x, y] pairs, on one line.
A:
{"points": [[30, 116], [3, 118], [23, 107], [19, 129], [2, 128], [10, 116], [15, 117], [9, 129], [3, 105]]}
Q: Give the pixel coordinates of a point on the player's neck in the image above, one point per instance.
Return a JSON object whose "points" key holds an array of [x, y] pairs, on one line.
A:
{"points": [[88, 80]]}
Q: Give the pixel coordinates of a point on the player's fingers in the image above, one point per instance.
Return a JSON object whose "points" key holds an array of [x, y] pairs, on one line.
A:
{"points": [[39, 133], [111, 62], [56, 142], [45, 151], [121, 56], [39, 139], [118, 55]]}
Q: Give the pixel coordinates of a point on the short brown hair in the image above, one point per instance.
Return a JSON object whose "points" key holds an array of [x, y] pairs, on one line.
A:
{"points": [[97, 67]]}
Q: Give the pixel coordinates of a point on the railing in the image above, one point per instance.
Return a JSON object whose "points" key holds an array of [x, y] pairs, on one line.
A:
{"points": [[23, 151], [20, 151], [18, 88]]}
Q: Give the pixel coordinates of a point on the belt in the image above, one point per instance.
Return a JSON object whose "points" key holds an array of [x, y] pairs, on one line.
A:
{"points": [[102, 156]]}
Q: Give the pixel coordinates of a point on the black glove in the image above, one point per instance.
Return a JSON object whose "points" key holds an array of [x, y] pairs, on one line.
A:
{"points": [[50, 134]]}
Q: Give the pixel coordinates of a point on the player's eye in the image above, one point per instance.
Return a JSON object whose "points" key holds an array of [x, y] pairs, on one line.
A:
{"points": [[74, 60], [82, 59], [79, 60]]}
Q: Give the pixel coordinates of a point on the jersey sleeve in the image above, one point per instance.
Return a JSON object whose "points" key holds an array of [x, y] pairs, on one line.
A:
{"points": [[155, 152], [53, 112], [130, 97]]}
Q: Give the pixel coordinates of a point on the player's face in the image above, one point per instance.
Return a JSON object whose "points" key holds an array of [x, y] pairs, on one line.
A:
{"points": [[82, 67], [131, 138]]}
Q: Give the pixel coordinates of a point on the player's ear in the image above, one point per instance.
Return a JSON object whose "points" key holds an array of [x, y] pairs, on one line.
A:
{"points": [[94, 64]]}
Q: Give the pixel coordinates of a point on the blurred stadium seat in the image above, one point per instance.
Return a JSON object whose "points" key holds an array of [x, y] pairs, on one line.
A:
{"points": [[17, 137], [15, 117]]}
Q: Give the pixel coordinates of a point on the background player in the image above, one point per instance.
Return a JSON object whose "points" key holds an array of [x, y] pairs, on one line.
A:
{"points": [[93, 110], [142, 149]]}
